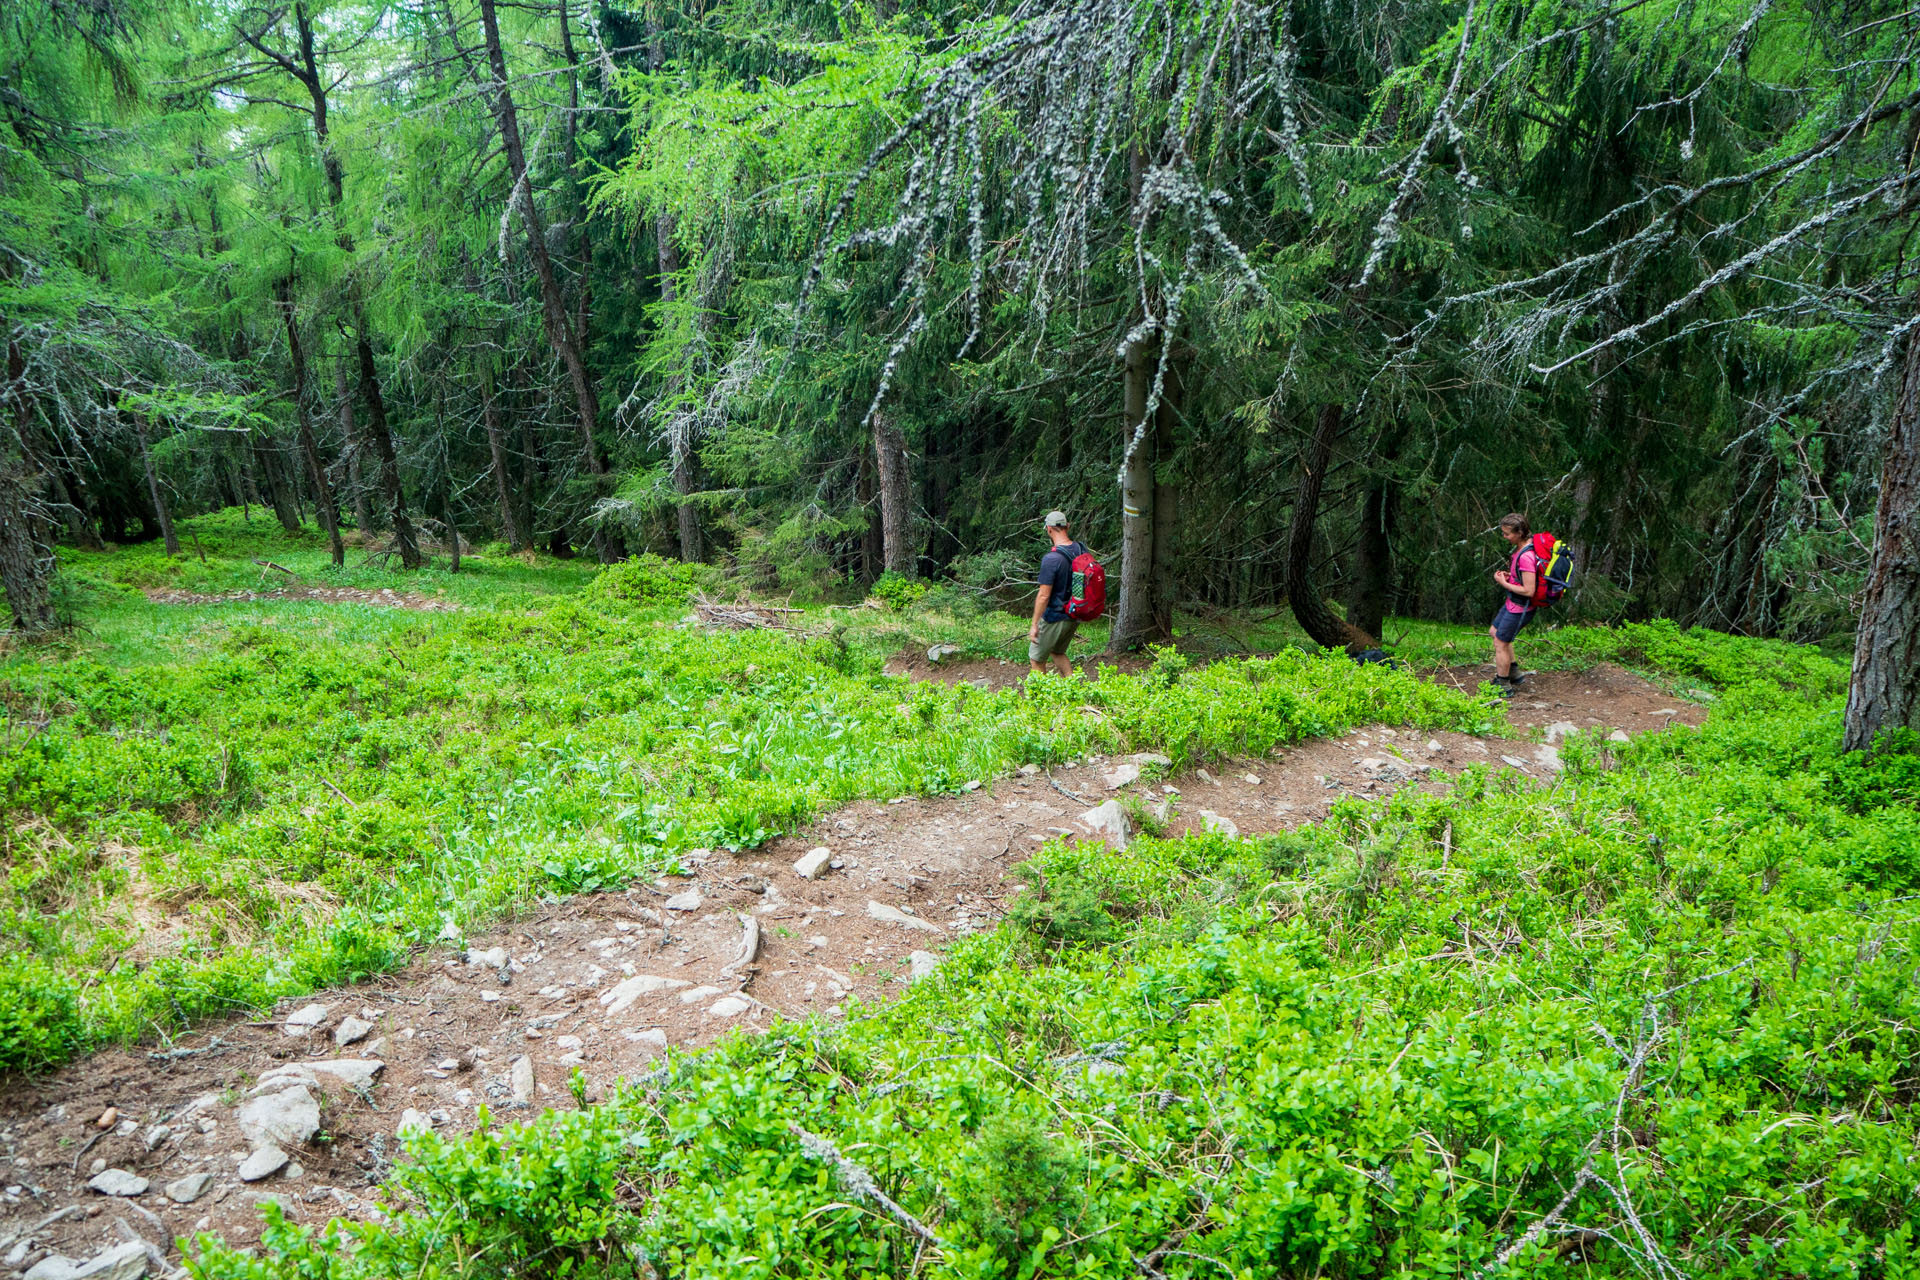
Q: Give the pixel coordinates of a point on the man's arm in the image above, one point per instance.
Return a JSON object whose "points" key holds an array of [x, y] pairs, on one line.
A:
{"points": [[1039, 607]]}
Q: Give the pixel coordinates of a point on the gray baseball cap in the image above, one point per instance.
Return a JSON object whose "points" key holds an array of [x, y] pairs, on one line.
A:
{"points": [[1056, 520]]}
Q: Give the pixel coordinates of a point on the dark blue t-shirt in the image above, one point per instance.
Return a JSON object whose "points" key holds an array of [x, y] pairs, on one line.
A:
{"points": [[1056, 571]]}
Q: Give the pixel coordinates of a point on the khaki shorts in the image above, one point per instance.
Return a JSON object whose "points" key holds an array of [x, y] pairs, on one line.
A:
{"points": [[1054, 638]]}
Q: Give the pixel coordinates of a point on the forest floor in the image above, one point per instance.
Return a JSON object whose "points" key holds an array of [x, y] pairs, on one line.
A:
{"points": [[582, 993]]}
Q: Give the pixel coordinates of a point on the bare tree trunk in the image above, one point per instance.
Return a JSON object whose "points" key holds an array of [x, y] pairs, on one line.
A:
{"points": [[266, 465], [872, 546], [553, 309], [25, 560], [154, 490], [1166, 508], [1885, 691], [1133, 619], [1373, 560], [497, 447], [1316, 619], [323, 506], [351, 444], [896, 488], [404, 539]]}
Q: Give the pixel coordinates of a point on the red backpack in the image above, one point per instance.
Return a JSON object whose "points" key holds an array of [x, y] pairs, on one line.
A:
{"points": [[1553, 571], [1089, 598]]}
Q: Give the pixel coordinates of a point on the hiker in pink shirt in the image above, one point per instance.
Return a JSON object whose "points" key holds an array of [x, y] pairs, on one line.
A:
{"points": [[1520, 580]]}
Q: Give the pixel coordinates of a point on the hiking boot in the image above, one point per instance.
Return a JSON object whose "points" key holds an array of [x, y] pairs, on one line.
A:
{"points": [[1504, 686], [1515, 677]]}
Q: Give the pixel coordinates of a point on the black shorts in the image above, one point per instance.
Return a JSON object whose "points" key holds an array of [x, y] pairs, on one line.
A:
{"points": [[1507, 623]]}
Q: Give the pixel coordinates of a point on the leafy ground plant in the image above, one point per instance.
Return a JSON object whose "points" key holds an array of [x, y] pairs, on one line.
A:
{"points": [[1655, 1020]]}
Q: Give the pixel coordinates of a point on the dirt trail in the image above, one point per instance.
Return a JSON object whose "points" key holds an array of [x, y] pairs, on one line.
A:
{"points": [[322, 595], [604, 983]]}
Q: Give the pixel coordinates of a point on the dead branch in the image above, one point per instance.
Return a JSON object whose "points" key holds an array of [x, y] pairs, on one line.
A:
{"points": [[856, 1181]]}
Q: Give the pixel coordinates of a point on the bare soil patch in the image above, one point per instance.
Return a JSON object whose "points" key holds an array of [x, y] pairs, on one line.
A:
{"points": [[602, 984]]}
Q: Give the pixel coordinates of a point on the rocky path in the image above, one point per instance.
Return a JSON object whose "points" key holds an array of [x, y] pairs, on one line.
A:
{"points": [[106, 1162]]}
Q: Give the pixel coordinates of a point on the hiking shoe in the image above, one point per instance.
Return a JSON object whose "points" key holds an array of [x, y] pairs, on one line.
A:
{"points": [[1503, 686], [1517, 678]]}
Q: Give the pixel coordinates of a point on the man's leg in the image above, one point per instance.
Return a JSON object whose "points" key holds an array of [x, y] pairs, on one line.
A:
{"points": [[1061, 664]]}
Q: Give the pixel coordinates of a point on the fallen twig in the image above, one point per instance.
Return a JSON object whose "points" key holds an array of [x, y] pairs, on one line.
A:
{"points": [[749, 950], [337, 791], [856, 1181], [1063, 791]]}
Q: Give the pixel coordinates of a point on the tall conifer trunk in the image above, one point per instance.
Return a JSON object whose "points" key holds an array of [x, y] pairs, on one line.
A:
{"points": [[351, 445], [1133, 619], [25, 558], [1319, 622], [1885, 691], [896, 489], [497, 450], [553, 308], [155, 492], [323, 506]]}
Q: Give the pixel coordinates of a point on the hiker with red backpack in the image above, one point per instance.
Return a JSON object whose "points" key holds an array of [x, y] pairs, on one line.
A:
{"points": [[1073, 590], [1536, 575]]}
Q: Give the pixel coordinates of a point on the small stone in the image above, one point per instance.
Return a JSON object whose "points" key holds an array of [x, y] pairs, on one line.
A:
{"points": [[1206, 777], [118, 1182], [1029, 770], [653, 1037], [158, 1134], [1250, 779], [489, 997], [412, 1121], [971, 784], [351, 1030], [520, 1077], [1433, 745], [296, 1170], [1123, 776], [688, 901], [696, 994], [894, 915], [1619, 735], [817, 942], [108, 1118], [128, 1260], [730, 1007], [1561, 729], [287, 1118], [1515, 761], [190, 1188], [1218, 823], [448, 1064], [641, 984], [568, 1042], [1107, 821], [301, 1021], [940, 653], [1145, 758], [377, 1046], [1665, 711], [98, 1166], [490, 957], [262, 1162], [812, 864], [921, 964], [1548, 757]]}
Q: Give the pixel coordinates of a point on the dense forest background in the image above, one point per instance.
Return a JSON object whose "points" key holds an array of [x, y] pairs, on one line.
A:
{"points": [[1286, 303]]}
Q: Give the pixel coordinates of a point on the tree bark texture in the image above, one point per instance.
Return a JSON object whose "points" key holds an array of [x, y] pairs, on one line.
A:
{"points": [[497, 448], [323, 505], [896, 488], [1315, 617], [1373, 559], [1133, 618], [154, 491], [1166, 508], [25, 560], [1885, 691], [553, 307], [404, 539], [352, 444], [266, 463]]}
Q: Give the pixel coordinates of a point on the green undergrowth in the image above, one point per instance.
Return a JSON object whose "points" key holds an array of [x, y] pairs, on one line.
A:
{"points": [[279, 806], [1671, 997]]}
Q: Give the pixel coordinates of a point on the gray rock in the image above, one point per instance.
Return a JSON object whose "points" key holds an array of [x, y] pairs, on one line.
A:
{"points": [[412, 1121], [355, 1073], [1561, 729], [1145, 758], [730, 1006], [351, 1030], [812, 864], [1619, 735], [490, 957], [1218, 822], [1515, 761], [284, 1119], [1108, 821], [1029, 770], [158, 1134], [688, 901], [1123, 776], [921, 964], [653, 1037], [301, 1021], [520, 1076], [190, 1188], [940, 653], [118, 1182], [1433, 745], [1206, 777], [894, 915], [262, 1162], [1548, 757], [626, 992], [129, 1260], [1381, 769]]}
